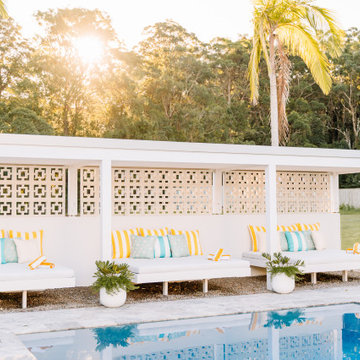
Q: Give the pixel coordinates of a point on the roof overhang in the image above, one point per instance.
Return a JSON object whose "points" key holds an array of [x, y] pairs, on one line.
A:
{"points": [[39, 149]]}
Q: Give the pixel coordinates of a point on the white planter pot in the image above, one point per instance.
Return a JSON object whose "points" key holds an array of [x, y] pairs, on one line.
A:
{"points": [[112, 300], [282, 284]]}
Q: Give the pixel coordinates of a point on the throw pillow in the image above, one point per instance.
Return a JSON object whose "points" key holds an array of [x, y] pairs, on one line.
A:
{"points": [[261, 241], [10, 252], [193, 240], [309, 240], [27, 250], [253, 230], [28, 235], [283, 242], [2, 251], [121, 240], [162, 247], [153, 232], [179, 246], [318, 240], [296, 241], [142, 247]]}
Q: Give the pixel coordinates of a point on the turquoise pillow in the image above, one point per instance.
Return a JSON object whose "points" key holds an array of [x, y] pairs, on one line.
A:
{"points": [[283, 242], [2, 250], [10, 252], [309, 241], [142, 247], [179, 246]]}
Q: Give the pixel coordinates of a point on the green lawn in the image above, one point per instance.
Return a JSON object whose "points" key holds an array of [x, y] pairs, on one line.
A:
{"points": [[350, 228]]}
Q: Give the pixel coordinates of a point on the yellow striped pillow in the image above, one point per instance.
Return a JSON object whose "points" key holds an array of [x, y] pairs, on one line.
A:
{"points": [[2, 233], [193, 240], [121, 243], [312, 227], [287, 228], [28, 235], [254, 240], [153, 232]]}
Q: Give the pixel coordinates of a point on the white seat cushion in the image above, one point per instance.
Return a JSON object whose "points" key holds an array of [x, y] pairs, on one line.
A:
{"points": [[15, 271], [188, 263], [312, 257]]}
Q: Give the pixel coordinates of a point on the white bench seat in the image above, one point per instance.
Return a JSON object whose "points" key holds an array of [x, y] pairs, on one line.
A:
{"points": [[18, 277], [184, 269], [315, 261]]}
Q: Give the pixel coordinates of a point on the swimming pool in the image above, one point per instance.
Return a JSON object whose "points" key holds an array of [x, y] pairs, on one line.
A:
{"points": [[329, 332]]}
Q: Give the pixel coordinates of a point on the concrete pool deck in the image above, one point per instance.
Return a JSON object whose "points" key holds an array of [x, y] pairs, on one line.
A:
{"points": [[12, 324]]}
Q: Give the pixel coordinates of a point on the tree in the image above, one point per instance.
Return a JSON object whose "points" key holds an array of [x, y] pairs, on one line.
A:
{"points": [[14, 57], [296, 27], [67, 82]]}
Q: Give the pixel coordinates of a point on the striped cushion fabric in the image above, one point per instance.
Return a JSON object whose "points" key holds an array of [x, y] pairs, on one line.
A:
{"points": [[312, 227], [193, 240], [254, 239], [28, 235], [153, 232], [121, 243], [296, 241], [162, 247], [2, 233], [287, 228]]}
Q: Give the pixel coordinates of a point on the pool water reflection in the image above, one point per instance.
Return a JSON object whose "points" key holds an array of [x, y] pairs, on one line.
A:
{"points": [[320, 333]]}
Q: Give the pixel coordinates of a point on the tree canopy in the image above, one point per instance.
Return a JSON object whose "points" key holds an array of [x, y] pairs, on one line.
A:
{"points": [[171, 86]]}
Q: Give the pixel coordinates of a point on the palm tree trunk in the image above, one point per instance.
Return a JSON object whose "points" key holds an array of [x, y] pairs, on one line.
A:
{"points": [[274, 123]]}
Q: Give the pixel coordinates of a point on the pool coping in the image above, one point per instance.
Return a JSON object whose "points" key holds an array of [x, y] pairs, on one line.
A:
{"points": [[13, 324]]}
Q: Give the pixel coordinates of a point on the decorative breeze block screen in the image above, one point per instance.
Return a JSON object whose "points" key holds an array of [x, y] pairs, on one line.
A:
{"points": [[297, 192], [244, 192], [89, 191], [32, 190], [162, 191]]}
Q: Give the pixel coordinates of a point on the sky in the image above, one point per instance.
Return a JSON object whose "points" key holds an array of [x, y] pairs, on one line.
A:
{"points": [[206, 18]]}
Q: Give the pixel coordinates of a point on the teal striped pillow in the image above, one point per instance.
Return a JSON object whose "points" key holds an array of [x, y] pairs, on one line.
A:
{"points": [[296, 241], [162, 247]]}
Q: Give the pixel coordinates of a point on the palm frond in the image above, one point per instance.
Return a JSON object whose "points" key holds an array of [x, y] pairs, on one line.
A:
{"points": [[301, 43], [3, 11]]}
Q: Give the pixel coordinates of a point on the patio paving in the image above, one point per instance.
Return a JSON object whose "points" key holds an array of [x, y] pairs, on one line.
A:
{"points": [[12, 324]]}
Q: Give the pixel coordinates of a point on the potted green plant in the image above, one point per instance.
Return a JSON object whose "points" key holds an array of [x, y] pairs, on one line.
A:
{"points": [[113, 281], [283, 272]]}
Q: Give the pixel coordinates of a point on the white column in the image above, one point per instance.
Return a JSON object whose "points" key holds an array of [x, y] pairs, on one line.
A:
{"points": [[72, 204], [274, 345], [271, 213], [334, 195], [105, 208], [217, 192]]}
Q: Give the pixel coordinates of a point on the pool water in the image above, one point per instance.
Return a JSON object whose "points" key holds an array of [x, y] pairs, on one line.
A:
{"points": [[331, 332]]}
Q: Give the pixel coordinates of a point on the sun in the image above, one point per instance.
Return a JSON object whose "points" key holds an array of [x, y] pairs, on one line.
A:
{"points": [[89, 48]]}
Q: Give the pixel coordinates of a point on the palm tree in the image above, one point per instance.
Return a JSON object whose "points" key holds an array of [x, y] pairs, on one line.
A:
{"points": [[291, 27], [3, 12]]}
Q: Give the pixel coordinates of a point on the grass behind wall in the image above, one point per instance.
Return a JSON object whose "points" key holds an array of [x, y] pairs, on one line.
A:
{"points": [[350, 226]]}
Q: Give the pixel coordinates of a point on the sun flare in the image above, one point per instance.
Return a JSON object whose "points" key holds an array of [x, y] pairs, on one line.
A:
{"points": [[90, 49]]}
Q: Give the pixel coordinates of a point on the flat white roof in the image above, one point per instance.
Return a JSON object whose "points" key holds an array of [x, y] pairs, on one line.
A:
{"points": [[40, 149]]}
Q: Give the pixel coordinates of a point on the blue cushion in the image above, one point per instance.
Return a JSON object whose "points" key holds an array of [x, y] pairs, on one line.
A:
{"points": [[162, 247], [2, 250], [309, 241], [10, 252], [179, 246], [142, 247], [296, 241], [283, 242]]}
